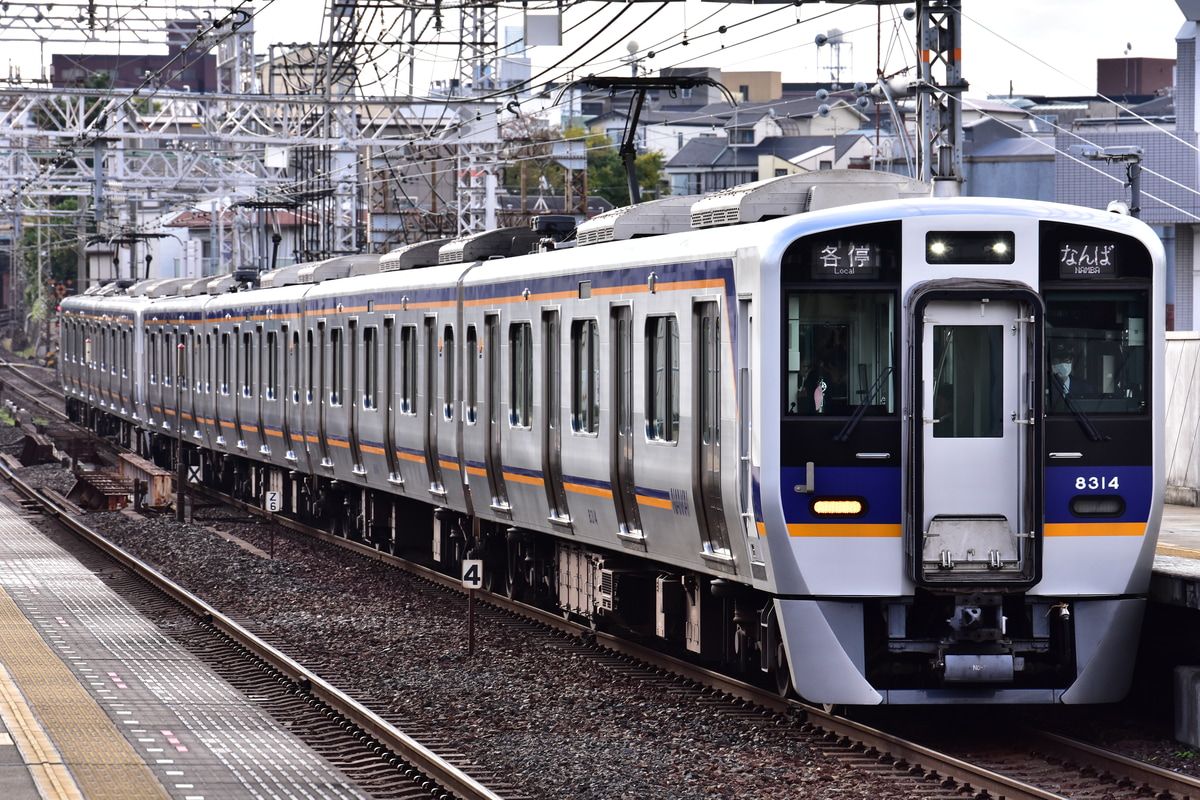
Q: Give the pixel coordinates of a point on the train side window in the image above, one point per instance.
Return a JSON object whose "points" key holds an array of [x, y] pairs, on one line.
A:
{"points": [[448, 372], [585, 376], [1097, 358], [408, 369], [112, 340], [338, 363], [520, 386], [471, 374], [662, 379], [370, 367]]}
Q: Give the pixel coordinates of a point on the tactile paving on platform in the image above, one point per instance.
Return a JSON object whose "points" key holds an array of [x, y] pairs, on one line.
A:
{"points": [[122, 710]]}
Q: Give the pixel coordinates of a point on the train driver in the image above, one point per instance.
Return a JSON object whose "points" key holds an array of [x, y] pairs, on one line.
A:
{"points": [[1065, 383]]}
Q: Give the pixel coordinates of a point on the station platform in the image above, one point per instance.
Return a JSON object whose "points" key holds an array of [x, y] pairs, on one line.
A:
{"points": [[96, 703], [1176, 577]]}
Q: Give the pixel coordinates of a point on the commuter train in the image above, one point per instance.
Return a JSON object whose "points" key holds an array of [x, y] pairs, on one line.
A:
{"points": [[867, 444]]}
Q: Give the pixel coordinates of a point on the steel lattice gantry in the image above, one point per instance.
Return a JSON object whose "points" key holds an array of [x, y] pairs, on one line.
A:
{"points": [[939, 93]]}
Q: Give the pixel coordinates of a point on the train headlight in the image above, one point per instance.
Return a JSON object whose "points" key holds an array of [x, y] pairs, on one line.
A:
{"points": [[970, 247], [838, 506]]}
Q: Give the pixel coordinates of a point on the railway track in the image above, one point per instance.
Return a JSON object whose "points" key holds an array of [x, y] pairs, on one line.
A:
{"points": [[382, 759], [1032, 764], [1041, 766], [32, 387]]}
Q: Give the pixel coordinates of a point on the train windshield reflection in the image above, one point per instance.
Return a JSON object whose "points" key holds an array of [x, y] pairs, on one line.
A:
{"points": [[1096, 351], [839, 346]]}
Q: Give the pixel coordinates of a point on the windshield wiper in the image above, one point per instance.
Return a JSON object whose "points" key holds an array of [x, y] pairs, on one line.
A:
{"points": [[1078, 413], [852, 423]]}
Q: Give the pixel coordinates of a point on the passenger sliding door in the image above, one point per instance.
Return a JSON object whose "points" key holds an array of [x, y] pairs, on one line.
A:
{"points": [[977, 489], [556, 495], [493, 462], [624, 489], [707, 472]]}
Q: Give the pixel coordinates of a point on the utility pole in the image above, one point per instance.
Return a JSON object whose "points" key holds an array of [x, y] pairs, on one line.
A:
{"points": [[939, 95]]}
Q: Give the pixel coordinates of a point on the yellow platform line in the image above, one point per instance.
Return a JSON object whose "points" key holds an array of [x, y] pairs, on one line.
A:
{"points": [[1172, 550], [51, 776], [57, 723]]}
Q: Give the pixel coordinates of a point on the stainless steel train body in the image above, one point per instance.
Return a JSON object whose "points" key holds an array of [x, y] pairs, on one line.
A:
{"points": [[828, 446]]}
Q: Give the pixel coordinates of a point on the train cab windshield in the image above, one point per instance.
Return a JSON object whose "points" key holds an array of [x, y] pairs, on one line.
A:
{"points": [[840, 353], [1097, 291], [840, 312], [1097, 351]]}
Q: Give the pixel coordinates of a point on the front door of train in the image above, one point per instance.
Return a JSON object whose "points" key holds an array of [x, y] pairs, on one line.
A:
{"points": [[976, 488]]}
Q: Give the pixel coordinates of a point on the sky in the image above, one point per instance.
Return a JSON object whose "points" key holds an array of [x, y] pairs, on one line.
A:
{"points": [[1029, 46], [1033, 46]]}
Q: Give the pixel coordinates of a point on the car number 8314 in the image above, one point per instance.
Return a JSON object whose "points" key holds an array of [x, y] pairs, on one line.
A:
{"points": [[1097, 482]]}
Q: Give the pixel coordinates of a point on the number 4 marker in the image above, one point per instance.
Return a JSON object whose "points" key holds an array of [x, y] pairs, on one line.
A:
{"points": [[472, 573]]}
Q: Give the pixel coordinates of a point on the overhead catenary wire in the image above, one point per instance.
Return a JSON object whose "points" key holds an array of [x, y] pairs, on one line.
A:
{"points": [[692, 39]]}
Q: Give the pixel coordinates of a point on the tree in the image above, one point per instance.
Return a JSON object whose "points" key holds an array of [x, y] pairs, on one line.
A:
{"points": [[50, 253], [532, 150], [606, 172]]}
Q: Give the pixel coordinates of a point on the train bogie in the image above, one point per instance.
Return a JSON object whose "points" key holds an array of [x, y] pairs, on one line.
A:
{"points": [[896, 452]]}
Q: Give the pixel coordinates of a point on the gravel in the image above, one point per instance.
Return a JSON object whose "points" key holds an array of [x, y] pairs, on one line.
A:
{"points": [[553, 723]]}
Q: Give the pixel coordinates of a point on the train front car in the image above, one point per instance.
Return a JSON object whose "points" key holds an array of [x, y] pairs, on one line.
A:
{"points": [[969, 470]]}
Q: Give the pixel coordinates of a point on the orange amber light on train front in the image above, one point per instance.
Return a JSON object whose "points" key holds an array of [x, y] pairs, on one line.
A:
{"points": [[839, 506]]}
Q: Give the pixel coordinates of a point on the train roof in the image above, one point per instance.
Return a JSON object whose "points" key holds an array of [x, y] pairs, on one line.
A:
{"points": [[696, 224]]}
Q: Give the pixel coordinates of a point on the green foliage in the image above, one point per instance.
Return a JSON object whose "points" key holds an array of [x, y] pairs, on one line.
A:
{"points": [[606, 171], [55, 260]]}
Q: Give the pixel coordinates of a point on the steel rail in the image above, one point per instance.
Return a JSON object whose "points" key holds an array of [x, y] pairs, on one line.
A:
{"points": [[411, 751], [921, 758], [1159, 780]]}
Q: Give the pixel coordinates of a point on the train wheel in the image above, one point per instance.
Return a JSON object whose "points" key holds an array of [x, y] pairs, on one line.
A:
{"points": [[783, 674], [490, 579], [514, 579]]}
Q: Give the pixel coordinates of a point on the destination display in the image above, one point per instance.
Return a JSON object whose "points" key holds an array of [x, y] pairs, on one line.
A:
{"points": [[1083, 260], [845, 260]]}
